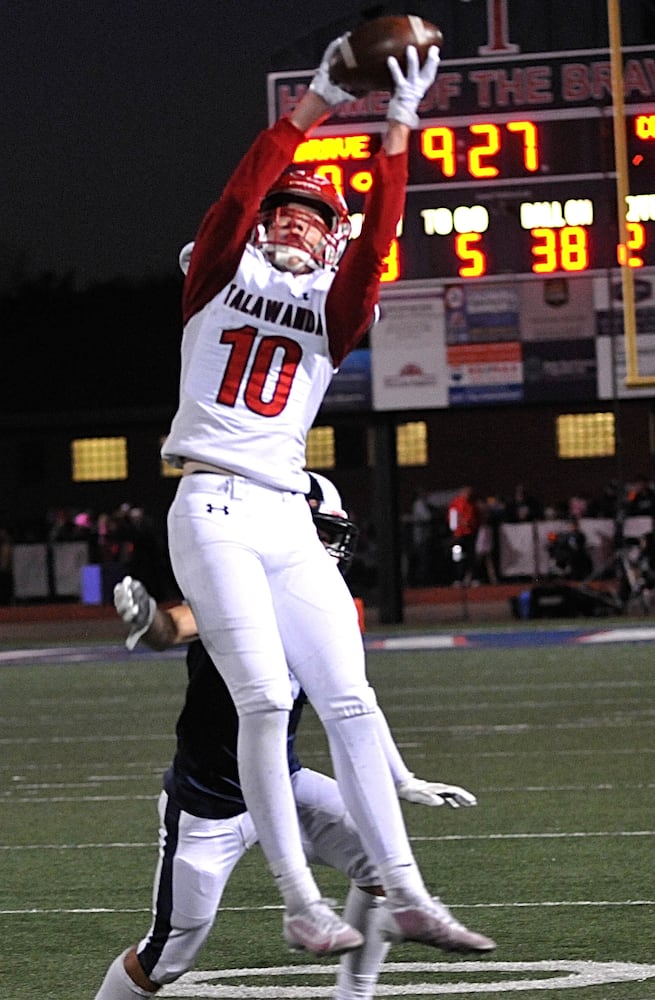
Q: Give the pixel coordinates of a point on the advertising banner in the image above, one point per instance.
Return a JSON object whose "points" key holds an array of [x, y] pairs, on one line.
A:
{"points": [[409, 353]]}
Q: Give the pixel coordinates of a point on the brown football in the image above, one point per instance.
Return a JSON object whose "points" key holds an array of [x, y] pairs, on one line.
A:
{"points": [[360, 63]]}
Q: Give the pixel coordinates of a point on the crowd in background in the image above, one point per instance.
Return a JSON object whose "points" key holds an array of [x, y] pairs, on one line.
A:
{"points": [[125, 537], [449, 537]]}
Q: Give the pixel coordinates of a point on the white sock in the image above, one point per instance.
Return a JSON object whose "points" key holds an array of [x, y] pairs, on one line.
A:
{"points": [[368, 790], [296, 886], [359, 970], [403, 884], [264, 773], [117, 985]]}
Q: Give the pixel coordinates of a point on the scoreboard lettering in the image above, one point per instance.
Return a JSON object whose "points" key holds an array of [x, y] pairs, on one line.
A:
{"points": [[507, 193], [512, 168]]}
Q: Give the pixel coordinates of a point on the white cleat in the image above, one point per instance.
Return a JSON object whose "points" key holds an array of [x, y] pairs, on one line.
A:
{"points": [[318, 929], [432, 923]]}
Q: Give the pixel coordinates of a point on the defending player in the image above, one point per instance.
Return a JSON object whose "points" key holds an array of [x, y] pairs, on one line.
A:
{"points": [[271, 309], [204, 827]]}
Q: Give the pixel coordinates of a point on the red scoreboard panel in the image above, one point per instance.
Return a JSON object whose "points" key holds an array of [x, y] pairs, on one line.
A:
{"points": [[499, 194]]}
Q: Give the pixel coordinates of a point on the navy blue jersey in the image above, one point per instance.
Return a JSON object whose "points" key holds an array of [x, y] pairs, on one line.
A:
{"points": [[204, 778]]}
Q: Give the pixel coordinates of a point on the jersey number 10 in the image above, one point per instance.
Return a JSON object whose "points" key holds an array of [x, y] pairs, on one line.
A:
{"points": [[257, 383]]}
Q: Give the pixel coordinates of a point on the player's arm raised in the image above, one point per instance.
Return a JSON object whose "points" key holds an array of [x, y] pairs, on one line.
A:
{"points": [[356, 287], [321, 96], [227, 224], [409, 90]]}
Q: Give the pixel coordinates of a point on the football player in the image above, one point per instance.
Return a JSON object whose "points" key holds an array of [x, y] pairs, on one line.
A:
{"points": [[272, 303], [204, 826]]}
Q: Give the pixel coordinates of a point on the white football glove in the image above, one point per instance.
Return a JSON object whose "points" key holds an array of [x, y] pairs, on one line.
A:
{"points": [[322, 85], [409, 90], [434, 793], [135, 606]]}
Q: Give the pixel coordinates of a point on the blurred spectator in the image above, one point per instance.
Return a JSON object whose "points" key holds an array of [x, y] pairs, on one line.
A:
{"points": [[522, 506], [110, 543], [484, 567], [463, 524], [6, 567], [635, 571], [641, 499], [86, 530], [83, 525], [569, 553], [607, 504], [442, 562], [420, 559], [61, 525], [578, 506], [496, 509], [143, 551]]}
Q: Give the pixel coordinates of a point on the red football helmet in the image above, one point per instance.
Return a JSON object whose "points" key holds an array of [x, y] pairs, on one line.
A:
{"points": [[295, 238]]}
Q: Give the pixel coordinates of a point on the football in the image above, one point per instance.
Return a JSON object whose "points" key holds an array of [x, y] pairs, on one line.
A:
{"points": [[359, 65]]}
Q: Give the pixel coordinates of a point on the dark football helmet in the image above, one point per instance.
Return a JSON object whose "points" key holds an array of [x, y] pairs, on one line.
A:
{"points": [[283, 225], [337, 532]]}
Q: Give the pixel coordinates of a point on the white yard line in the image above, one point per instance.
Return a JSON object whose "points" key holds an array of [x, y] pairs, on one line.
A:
{"points": [[576, 834]]}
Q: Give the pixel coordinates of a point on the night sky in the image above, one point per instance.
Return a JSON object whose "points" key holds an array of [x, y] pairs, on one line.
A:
{"points": [[121, 121]]}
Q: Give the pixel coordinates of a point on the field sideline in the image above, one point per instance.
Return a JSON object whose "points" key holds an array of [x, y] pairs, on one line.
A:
{"points": [[551, 729]]}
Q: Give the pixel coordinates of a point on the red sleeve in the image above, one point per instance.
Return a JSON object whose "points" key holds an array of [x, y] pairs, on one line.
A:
{"points": [[225, 229], [356, 287]]}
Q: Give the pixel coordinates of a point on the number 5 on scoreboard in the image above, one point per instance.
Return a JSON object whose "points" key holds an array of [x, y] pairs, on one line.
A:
{"points": [[474, 260]]}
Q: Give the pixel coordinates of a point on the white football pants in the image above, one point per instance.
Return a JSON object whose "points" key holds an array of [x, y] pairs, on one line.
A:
{"points": [[197, 857], [267, 599]]}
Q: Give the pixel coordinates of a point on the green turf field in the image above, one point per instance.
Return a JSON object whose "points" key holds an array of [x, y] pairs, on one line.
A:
{"points": [[556, 862]]}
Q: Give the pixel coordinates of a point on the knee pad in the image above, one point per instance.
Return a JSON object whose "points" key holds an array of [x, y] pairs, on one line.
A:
{"points": [[262, 696]]}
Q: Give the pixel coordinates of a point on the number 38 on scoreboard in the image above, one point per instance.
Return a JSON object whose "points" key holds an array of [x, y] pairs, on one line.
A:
{"points": [[565, 248], [505, 197]]}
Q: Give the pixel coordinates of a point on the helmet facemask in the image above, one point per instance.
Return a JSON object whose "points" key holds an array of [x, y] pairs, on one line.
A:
{"points": [[302, 224], [339, 536], [334, 528], [295, 238]]}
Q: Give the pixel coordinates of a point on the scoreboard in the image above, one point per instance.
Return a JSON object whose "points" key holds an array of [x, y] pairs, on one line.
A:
{"points": [[511, 195], [498, 191]]}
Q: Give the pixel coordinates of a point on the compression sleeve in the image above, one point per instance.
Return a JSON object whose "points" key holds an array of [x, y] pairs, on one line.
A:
{"points": [[356, 287], [225, 229]]}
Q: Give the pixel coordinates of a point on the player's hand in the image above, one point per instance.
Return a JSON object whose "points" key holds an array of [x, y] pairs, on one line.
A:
{"points": [[322, 85], [135, 606], [409, 90], [434, 793]]}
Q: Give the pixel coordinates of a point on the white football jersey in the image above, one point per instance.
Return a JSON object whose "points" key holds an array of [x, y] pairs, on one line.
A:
{"points": [[255, 368]]}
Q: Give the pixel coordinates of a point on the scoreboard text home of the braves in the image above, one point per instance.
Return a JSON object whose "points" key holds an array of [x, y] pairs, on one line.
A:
{"points": [[512, 168]]}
